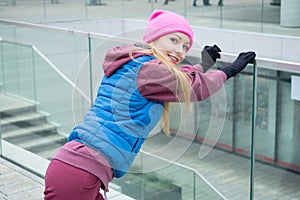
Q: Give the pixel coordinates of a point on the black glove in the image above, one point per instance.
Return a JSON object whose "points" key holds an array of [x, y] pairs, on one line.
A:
{"points": [[239, 64], [209, 55]]}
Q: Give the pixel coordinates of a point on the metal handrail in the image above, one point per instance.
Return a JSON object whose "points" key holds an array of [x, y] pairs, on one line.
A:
{"points": [[268, 63]]}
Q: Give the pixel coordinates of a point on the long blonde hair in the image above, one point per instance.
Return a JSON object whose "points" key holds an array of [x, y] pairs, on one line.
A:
{"points": [[182, 87]]}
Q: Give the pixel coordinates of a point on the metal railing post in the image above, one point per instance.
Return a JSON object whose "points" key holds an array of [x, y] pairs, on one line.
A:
{"points": [[34, 76], [90, 70], [253, 124], [194, 188], [142, 182]]}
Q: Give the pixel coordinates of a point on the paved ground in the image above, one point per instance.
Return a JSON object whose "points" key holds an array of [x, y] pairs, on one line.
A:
{"points": [[17, 183]]}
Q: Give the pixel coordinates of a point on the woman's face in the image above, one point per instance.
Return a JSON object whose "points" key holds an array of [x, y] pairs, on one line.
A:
{"points": [[174, 46]]}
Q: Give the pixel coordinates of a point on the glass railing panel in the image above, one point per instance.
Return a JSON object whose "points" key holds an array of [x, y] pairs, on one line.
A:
{"points": [[90, 73], [202, 191], [17, 65], [226, 106], [181, 181], [216, 116], [38, 132], [99, 46], [55, 64], [1, 67], [243, 112], [65, 51], [152, 177], [98, 50], [276, 118], [67, 69], [7, 31], [18, 112], [224, 122], [288, 115], [53, 95], [276, 134], [88, 77], [266, 113]]}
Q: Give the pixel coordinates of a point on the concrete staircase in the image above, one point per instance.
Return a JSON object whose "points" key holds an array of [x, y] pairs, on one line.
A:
{"points": [[23, 126]]}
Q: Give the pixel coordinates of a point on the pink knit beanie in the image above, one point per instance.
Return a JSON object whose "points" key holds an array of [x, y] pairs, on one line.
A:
{"points": [[163, 22]]}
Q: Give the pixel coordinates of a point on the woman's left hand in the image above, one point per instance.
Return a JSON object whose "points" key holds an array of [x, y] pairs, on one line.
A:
{"points": [[209, 55]]}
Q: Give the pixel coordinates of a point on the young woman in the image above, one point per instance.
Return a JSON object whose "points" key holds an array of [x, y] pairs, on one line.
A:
{"points": [[132, 98]]}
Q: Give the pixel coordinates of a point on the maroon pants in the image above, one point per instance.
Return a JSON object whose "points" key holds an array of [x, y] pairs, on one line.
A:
{"points": [[65, 182]]}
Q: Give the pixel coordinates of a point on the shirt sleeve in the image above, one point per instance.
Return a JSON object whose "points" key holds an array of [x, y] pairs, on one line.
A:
{"points": [[157, 83]]}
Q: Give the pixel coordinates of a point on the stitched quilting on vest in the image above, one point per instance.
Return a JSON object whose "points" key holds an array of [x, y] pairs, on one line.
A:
{"points": [[121, 118]]}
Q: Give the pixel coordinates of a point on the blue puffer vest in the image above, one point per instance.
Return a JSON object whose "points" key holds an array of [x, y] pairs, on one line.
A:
{"points": [[120, 119]]}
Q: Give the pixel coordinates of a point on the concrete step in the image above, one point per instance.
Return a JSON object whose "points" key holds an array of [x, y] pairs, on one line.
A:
{"points": [[28, 129], [11, 106], [39, 143], [28, 133], [48, 151], [22, 120]]}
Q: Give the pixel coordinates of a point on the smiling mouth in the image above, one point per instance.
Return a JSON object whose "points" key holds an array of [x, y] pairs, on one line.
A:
{"points": [[173, 59]]}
